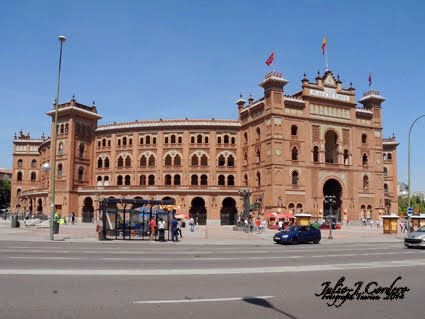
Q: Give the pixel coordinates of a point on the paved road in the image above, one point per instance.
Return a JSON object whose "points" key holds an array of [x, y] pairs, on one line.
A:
{"points": [[153, 280]]}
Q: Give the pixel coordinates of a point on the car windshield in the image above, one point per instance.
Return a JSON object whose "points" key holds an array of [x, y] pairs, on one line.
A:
{"points": [[420, 230], [292, 228]]}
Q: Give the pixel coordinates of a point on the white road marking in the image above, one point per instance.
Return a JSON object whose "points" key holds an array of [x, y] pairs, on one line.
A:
{"points": [[213, 271], [202, 300]]}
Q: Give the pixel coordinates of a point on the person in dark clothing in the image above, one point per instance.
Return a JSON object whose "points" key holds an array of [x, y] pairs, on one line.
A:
{"points": [[174, 230]]}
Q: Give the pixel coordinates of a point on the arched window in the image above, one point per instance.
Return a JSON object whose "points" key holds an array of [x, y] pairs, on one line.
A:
{"points": [[316, 154], [33, 176], [60, 167], [100, 163], [104, 142], [151, 160], [148, 140], [219, 140], [154, 140], [143, 160], [99, 181], [299, 208], [142, 180], [389, 156], [81, 174], [106, 162], [66, 127], [180, 140], [295, 178], [245, 136], [60, 148], [20, 163], [130, 141], [365, 159], [194, 160], [127, 180], [62, 129], [177, 160], [194, 180], [177, 179], [231, 180], [151, 180], [109, 143], [33, 163], [173, 139], [331, 147], [385, 188], [245, 158], [385, 171], [230, 161], [128, 161], [120, 162], [226, 139], [18, 192], [141, 141], [98, 143], [199, 139], [204, 160], [221, 160], [258, 155], [192, 139], [245, 180], [294, 153], [365, 182], [106, 181], [258, 176], [81, 150], [364, 138], [258, 131], [206, 140], [294, 130], [221, 180], [204, 179], [119, 180], [291, 207], [166, 140], [233, 141], [167, 179], [168, 160], [124, 141]]}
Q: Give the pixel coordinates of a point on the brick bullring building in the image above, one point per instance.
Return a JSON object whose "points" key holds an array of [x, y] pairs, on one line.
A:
{"points": [[288, 151]]}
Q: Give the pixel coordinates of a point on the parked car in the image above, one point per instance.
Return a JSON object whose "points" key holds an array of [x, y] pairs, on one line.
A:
{"points": [[298, 234], [415, 238]]}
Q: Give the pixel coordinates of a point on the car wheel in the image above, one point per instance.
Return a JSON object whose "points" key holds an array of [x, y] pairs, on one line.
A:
{"points": [[316, 241], [294, 241]]}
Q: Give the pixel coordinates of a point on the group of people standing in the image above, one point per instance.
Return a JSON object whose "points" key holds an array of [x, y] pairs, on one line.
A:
{"points": [[176, 229]]}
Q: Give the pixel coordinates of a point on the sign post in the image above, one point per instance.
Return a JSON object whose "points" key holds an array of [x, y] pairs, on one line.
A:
{"points": [[409, 214]]}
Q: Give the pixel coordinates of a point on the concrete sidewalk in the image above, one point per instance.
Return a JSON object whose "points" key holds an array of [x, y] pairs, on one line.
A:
{"points": [[203, 235]]}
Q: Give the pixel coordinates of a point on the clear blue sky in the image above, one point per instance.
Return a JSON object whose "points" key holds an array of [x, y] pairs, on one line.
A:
{"points": [[177, 59]]}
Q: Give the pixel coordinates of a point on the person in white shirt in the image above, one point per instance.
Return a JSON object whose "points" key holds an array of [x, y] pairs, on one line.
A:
{"points": [[161, 228], [280, 223]]}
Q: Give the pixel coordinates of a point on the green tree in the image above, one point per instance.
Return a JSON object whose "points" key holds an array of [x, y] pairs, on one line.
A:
{"points": [[5, 187]]}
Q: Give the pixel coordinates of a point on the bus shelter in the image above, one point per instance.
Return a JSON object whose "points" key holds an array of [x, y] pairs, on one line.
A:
{"points": [[128, 219]]}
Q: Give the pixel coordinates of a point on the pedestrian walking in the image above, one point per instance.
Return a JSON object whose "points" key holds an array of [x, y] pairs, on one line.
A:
{"points": [[174, 236], [72, 218], [161, 229], [280, 223], [192, 224], [152, 227], [258, 225], [179, 228]]}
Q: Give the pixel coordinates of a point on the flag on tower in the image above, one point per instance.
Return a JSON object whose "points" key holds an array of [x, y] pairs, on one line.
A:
{"points": [[270, 59], [324, 45], [370, 79]]}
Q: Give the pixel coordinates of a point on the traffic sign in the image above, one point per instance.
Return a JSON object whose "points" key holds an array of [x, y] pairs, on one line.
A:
{"points": [[409, 211]]}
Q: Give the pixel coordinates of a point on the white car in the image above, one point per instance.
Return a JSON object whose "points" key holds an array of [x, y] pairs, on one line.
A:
{"points": [[415, 238]]}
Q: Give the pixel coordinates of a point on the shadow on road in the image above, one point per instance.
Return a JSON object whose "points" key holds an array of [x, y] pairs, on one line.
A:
{"points": [[264, 303]]}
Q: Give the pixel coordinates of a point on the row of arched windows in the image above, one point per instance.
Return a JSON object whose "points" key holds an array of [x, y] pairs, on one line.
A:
{"points": [[169, 179], [21, 163], [122, 141], [104, 142]]}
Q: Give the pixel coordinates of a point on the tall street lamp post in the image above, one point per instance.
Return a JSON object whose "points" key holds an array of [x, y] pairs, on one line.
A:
{"points": [[331, 201], [408, 170], [54, 146]]}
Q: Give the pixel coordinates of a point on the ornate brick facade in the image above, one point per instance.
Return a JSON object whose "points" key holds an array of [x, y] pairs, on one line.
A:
{"points": [[289, 151]]}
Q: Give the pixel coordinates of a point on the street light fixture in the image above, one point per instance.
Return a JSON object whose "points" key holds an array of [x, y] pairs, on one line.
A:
{"points": [[54, 142], [408, 170], [331, 201]]}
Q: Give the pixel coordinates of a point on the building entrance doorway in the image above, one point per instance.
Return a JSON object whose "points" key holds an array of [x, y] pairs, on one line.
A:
{"points": [[332, 188], [198, 211], [228, 211]]}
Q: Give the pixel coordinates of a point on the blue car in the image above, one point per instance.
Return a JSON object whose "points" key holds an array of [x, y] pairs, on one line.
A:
{"points": [[298, 234]]}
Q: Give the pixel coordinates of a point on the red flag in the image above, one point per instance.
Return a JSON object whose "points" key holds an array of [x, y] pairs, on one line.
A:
{"points": [[270, 59], [370, 79], [324, 45]]}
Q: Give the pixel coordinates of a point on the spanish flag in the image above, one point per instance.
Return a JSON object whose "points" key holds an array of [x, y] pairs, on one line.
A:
{"points": [[324, 45], [270, 59]]}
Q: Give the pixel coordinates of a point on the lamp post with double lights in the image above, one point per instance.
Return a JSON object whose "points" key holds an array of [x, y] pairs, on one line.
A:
{"points": [[54, 142], [408, 170], [330, 200]]}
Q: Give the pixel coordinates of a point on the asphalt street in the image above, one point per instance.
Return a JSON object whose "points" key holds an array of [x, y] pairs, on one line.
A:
{"points": [[154, 280]]}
